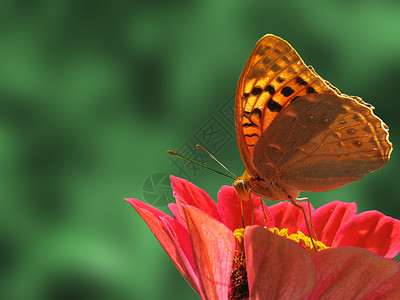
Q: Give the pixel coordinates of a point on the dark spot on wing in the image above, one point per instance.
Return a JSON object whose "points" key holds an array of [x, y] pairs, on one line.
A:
{"points": [[249, 125], [275, 67], [300, 81], [270, 89], [266, 60], [287, 91], [274, 106], [357, 144], [357, 118], [367, 129], [280, 79], [310, 90], [261, 51], [256, 111], [373, 142], [247, 115], [256, 90], [250, 135]]}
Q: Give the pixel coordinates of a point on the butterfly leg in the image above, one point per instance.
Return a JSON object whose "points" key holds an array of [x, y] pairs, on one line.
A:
{"points": [[251, 207], [309, 214], [265, 215], [305, 219], [241, 210], [262, 207]]}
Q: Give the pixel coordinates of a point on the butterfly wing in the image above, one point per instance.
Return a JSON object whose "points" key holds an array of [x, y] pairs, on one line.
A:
{"points": [[296, 130], [321, 142], [273, 76]]}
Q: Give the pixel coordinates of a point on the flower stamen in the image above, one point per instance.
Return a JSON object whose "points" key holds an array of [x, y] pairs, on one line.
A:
{"points": [[239, 235], [239, 283], [299, 237]]}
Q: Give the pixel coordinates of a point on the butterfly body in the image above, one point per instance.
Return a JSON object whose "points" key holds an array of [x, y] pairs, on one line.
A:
{"points": [[270, 188], [296, 132]]}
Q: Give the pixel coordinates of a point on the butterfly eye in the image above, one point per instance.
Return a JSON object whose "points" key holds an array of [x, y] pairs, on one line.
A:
{"points": [[240, 187]]}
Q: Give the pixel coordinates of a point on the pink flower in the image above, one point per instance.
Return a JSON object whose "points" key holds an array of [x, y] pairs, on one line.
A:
{"points": [[356, 261]]}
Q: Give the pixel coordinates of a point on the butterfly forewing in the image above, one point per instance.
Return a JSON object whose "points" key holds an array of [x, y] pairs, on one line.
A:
{"points": [[273, 76]]}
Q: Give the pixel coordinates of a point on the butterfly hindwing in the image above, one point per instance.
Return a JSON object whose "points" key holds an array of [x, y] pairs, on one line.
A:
{"points": [[321, 142]]}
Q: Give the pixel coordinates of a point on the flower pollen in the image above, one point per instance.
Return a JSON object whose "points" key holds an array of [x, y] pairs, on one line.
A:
{"points": [[239, 283], [300, 238]]}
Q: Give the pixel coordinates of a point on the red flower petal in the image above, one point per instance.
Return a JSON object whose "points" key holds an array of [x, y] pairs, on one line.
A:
{"points": [[174, 208], [231, 215], [371, 230], [156, 221], [213, 249], [180, 237], [349, 273], [277, 268], [329, 218], [390, 289], [186, 193], [137, 204], [286, 215]]}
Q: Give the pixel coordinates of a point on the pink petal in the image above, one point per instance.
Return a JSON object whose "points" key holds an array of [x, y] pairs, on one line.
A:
{"points": [[186, 193], [174, 208], [390, 289], [286, 215], [230, 212], [277, 268], [213, 249], [371, 230], [137, 204], [329, 218], [180, 237], [172, 236], [349, 273]]}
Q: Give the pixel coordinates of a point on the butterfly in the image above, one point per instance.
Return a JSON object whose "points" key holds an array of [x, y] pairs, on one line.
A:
{"points": [[297, 132]]}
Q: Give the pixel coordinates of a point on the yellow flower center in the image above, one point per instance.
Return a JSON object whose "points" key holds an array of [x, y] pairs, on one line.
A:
{"points": [[239, 235], [299, 237], [302, 239]]}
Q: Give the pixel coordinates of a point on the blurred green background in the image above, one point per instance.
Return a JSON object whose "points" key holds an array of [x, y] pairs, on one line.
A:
{"points": [[93, 93]]}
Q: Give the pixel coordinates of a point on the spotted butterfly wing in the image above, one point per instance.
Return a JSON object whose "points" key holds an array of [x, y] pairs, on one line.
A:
{"points": [[296, 131]]}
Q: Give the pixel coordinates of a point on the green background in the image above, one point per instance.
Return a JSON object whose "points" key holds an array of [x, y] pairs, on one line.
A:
{"points": [[93, 93]]}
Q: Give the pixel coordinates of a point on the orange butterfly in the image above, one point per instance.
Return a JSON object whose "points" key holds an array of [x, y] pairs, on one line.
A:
{"points": [[297, 132]]}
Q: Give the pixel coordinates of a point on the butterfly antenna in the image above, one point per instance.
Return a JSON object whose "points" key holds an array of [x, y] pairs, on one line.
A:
{"points": [[213, 157], [200, 165]]}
